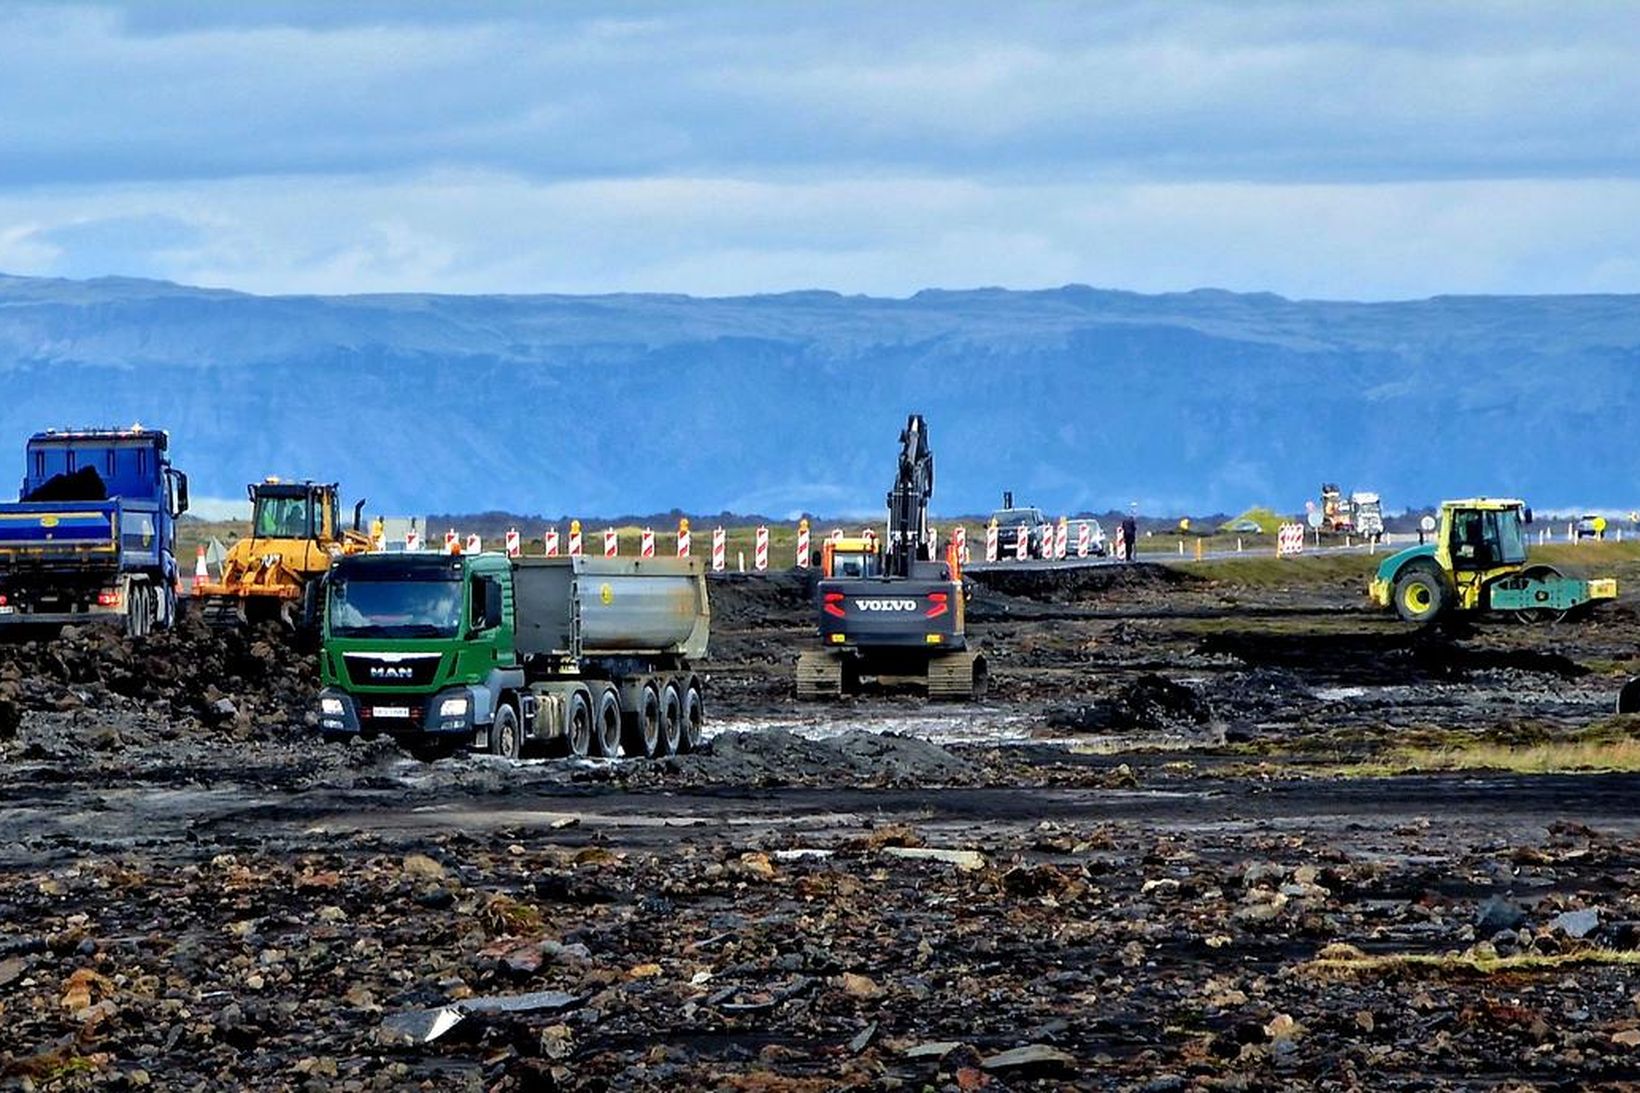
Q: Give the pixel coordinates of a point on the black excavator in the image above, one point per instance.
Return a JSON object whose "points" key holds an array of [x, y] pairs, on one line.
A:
{"points": [[891, 613]]}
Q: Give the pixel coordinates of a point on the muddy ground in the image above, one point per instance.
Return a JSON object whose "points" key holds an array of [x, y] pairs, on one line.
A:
{"points": [[1172, 850]]}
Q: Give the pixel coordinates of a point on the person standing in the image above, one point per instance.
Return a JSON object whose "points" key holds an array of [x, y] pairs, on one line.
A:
{"points": [[1130, 538]]}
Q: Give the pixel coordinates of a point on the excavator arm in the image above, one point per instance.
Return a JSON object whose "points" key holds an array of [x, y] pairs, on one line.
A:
{"points": [[908, 500]]}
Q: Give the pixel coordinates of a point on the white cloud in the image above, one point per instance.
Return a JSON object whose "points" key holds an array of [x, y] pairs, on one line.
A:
{"points": [[487, 232]]}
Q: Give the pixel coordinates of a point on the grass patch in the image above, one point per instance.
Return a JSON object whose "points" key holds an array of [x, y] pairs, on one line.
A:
{"points": [[1607, 746], [1312, 569], [1346, 961]]}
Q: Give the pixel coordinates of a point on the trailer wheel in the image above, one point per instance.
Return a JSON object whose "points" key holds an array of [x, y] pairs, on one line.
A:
{"points": [[505, 738], [138, 611], [671, 719], [642, 734], [606, 738], [1420, 595], [694, 717], [579, 737]]}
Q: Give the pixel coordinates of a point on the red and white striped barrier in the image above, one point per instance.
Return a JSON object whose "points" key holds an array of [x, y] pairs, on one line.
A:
{"points": [[475, 545], [683, 537], [761, 554], [959, 537], [575, 545], [646, 544], [720, 550], [412, 542], [1061, 539], [452, 542], [550, 542], [1022, 543], [1047, 540], [1084, 539], [612, 543], [1289, 540], [802, 544], [991, 536], [933, 541], [515, 546], [836, 535], [1121, 543]]}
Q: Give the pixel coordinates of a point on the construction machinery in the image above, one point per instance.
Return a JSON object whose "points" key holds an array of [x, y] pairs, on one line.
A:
{"points": [[1336, 515], [296, 532], [1367, 513], [890, 612], [590, 656], [1477, 562], [92, 538]]}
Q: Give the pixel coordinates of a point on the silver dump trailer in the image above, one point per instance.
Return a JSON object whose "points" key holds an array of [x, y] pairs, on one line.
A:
{"points": [[589, 656]]}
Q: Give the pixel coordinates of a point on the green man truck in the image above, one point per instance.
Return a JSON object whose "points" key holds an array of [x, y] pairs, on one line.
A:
{"points": [[582, 656]]}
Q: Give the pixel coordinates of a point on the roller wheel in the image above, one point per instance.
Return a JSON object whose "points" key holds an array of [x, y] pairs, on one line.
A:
{"points": [[606, 737], [1540, 616], [1420, 595], [1628, 699], [506, 739]]}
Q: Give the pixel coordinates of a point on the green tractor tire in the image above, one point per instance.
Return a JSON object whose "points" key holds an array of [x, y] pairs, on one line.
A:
{"points": [[1420, 595]]}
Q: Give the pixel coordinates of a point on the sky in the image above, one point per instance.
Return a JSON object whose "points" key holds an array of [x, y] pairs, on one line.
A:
{"points": [[1354, 150]]}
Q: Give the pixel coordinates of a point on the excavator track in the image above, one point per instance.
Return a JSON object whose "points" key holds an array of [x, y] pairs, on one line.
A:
{"points": [[819, 675], [958, 677]]}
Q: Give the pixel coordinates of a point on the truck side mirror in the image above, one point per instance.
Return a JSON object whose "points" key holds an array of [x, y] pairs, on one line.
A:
{"points": [[1527, 515], [180, 487]]}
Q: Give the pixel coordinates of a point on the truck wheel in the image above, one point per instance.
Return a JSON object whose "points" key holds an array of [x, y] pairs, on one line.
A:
{"points": [[643, 733], [694, 717], [1420, 595], [671, 719], [606, 739], [505, 738], [579, 737], [136, 611]]}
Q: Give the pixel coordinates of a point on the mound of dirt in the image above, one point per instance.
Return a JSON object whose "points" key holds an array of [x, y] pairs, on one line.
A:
{"points": [[743, 600], [778, 757], [251, 682], [1078, 585], [1149, 704]]}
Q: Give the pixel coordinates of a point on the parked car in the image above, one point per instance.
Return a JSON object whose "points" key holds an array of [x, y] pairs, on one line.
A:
{"points": [[1591, 526], [1008, 521]]}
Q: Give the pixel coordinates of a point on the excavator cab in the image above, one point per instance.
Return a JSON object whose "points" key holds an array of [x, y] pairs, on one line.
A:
{"points": [[851, 558]]}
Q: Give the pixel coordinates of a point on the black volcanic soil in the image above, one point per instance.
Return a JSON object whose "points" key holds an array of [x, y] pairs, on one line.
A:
{"points": [[1156, 859]]}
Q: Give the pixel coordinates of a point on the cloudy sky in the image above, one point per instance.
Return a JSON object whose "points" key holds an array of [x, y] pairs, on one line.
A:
{"points": [[1351, 150]]}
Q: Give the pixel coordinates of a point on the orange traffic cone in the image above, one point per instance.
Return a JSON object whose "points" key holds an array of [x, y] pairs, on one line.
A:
{"points": [[201, 574]]}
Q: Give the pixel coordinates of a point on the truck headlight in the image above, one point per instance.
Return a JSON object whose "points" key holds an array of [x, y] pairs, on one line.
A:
{"points": [[453, 707], [332, 706]]}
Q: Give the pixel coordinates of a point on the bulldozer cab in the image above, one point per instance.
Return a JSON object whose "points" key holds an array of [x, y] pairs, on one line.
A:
{"points": [[294, 510]]}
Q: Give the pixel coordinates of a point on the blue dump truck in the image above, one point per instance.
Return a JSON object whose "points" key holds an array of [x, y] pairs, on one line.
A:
{"points": [[92, 537]]}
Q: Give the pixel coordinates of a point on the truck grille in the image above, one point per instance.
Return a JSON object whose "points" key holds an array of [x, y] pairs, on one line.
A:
{"points": [[392, 669]]}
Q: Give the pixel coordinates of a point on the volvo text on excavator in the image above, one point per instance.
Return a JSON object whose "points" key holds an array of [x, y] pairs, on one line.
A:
{"points": [[891, 613]]}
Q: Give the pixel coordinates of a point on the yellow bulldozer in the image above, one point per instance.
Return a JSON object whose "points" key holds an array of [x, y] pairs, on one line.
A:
{"points": [[266, 577]]}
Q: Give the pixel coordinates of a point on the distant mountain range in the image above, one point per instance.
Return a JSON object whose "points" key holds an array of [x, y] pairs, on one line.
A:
{"points": [[1075, 398]]}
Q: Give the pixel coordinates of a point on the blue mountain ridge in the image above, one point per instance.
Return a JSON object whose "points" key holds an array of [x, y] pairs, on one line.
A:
{"points": [[1076, 398]]}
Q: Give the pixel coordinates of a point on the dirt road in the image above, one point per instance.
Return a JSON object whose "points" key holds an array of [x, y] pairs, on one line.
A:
{"points": [[1181, 848]]}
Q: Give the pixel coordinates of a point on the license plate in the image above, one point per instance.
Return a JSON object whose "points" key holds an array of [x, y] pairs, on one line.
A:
{"points": [[8, 610], [392, 711]]}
